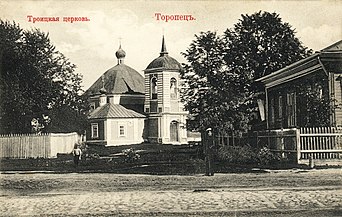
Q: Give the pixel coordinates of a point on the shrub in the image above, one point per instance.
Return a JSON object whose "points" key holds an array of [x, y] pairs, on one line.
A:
{"points": [[266, 157], [237, 154], [196, 166]]}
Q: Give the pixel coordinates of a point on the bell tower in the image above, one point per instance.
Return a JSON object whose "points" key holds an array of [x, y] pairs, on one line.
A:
{"points": [[166, 117]]}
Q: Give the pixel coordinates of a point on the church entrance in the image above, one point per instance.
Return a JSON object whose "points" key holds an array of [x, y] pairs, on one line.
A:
{"points": [[174, 131]]}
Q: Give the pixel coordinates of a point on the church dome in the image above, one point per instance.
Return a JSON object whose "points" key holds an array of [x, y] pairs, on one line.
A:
{"points": [[120, 79], [164, 61]]}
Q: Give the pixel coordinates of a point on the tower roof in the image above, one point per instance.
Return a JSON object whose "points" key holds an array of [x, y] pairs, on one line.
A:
{"points": [[164, 61], [163, 49]]}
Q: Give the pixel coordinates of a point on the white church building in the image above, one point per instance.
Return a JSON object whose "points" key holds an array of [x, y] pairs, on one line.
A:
{"points": [[128, 108]]}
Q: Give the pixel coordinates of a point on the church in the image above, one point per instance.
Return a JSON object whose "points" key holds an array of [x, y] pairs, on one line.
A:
{"points": [[128, 108]]}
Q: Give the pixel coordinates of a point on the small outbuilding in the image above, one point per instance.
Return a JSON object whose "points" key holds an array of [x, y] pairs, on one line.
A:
{"points": [[116, 125]]}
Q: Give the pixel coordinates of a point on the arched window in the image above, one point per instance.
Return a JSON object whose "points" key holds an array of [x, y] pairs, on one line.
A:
{"points": [[154, 88], [173, 88]]}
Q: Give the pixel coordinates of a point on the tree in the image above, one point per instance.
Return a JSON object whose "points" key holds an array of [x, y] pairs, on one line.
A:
{"points": [[36, 82], [220, 89]]}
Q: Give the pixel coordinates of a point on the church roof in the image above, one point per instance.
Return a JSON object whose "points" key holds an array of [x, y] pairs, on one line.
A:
{"points": [[164, 61], [111, 110], [119, 79]]}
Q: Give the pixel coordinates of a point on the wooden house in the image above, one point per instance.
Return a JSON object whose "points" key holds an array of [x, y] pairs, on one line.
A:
{"points": [[306, 93]]}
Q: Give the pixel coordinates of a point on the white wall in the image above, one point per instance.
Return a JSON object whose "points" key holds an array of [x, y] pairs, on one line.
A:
{"points": [[134, 128]]}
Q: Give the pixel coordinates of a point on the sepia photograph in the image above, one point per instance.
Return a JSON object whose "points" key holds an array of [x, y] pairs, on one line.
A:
{"points": [[171, 108]]}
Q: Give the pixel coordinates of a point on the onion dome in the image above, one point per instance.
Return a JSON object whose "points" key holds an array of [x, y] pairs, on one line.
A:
{"points": [[120, 53], [103, 90], [164, 61]]}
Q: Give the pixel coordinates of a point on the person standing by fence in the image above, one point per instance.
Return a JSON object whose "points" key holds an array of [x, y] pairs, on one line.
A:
{"points": [[77, 154]]}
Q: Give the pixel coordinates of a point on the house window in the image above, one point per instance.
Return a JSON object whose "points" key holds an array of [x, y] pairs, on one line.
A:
{"points": [[122, 131], [320, 91], [154, 88], [280, 107], [94, 130], [173, 88], [291, 108], [271, 110]]}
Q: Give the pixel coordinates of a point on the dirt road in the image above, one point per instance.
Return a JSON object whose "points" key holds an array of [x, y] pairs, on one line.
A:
{"points": [[275, 193]]}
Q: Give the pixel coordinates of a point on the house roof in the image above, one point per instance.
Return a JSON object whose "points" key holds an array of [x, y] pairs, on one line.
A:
{"points": [[319, 61], [164, 61], [334, 47], [111, 110]]}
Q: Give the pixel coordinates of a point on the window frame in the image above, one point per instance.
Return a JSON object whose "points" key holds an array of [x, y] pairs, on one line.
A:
{"points": [[93, 127], [123, 128], [173, 94], [154, 88], [291, 109]]}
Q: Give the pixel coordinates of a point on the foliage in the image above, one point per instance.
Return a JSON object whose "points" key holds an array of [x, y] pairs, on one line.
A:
{"points": [[247, 155], [266, 157], [220, 89], [36, 81], [315, 102], [237, 154], [130, 155]]}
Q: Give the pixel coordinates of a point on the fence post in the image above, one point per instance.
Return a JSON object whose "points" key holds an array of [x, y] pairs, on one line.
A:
{"points": [[298, 144]]}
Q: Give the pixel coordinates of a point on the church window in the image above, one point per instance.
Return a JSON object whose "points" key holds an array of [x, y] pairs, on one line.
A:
{"points": [[173, 88], [154, 88], [94, 130]]}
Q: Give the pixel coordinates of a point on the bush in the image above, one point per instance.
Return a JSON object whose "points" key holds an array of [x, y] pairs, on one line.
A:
{"points": [[196, 166], [237, 154], [266, 157], [130, 155]]}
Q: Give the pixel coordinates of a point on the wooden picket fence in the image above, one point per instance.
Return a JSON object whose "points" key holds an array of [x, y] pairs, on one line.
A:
{"points": [[37, 145], [300, 145], [320, 143]]}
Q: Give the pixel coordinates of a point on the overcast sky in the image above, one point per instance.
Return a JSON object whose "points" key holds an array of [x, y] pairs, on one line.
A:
{"points": [[92, 45]]}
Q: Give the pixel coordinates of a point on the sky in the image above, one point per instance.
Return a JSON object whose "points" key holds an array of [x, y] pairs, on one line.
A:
{"points": [[91, 45]]}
